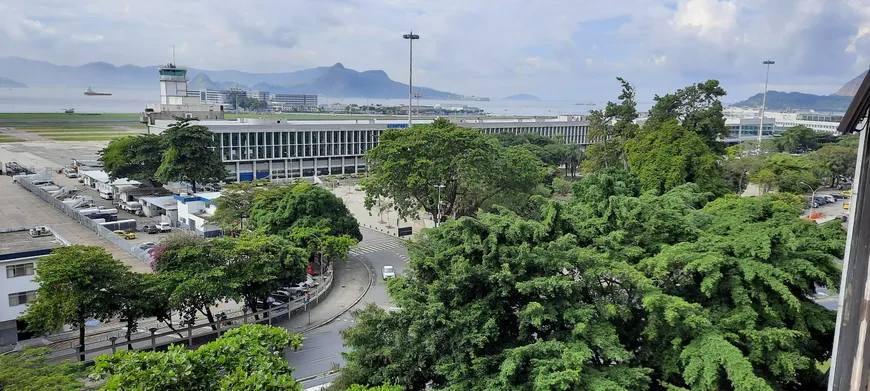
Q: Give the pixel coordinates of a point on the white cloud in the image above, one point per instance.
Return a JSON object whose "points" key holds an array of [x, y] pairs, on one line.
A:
{"points": [[551, 48]]}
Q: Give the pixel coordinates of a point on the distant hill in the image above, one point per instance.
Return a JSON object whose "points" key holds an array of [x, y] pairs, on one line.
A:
{"points": [[202, 82], [777, 100], [851, 88], [9, 83], [334, 81], [521, 97]]}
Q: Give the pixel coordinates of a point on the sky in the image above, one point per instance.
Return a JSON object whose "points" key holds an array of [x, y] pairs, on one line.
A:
{"points": [[554, 49]]}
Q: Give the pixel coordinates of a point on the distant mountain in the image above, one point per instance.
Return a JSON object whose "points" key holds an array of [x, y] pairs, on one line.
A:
{"points": [[202, 82], [851, 88], [334, 81], [9, 83], [777, 100], [521, 97]]}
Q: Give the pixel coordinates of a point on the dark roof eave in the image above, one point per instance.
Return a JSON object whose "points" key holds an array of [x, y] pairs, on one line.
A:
{"points": [[857, 109]]}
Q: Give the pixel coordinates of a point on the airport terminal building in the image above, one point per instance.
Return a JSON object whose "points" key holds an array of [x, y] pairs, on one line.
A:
{"points": [[276, 149]]}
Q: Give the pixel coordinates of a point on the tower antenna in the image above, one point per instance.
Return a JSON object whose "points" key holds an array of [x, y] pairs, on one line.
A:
{"points": [[173, 55]]}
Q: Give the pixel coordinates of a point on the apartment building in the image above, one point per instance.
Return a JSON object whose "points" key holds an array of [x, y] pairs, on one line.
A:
{"points": [[19, 254]]}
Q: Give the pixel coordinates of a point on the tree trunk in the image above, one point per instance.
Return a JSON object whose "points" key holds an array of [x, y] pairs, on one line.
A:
{"points": [[129, 332], [210, 317], [81, 340]]}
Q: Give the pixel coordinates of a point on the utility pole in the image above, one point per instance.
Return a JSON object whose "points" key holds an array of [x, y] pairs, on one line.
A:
{"points": [[410, 37], [438, 219], [763, 103], [320, 243]]}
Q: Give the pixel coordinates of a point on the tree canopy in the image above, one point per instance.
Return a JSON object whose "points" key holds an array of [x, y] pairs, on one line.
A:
{"points": [[697, 108], [617, 289], [191, 155], [280, 209], [133, 157], [76, 284], [407, 165], [798, 139], [29, 370], [250, 357]]}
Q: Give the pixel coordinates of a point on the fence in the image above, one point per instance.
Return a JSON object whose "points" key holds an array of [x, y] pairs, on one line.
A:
{"points": [[195, 333], [87, 222]]}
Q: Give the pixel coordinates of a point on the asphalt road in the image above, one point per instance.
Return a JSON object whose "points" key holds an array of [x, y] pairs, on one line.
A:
{"points": [[322, 347]]}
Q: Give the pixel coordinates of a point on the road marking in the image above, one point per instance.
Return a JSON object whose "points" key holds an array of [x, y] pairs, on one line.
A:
{"points": [[376, 247], [321, 359], [306, 349]]}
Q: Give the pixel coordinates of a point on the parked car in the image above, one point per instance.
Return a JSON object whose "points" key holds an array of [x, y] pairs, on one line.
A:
{"points": [[388, 272], [163, 227], [150, 229], [845, 186], [838, 196], [847, 193], [830, 198], [146, 245], [125, 234], [846, 205]]}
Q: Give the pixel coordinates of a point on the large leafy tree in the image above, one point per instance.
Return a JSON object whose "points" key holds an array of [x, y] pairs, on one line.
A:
{"points": [[611, 128], [836, 161], [616, 290], [236, 202], [280, 209], [408, 164], [791, 174], [30, 370], [798, 139], [76, 284], [697, 108], [246, 358], [191, 155], [668, 155], [133, 157]]}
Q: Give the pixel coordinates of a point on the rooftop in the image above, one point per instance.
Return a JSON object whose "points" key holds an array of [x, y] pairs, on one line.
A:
{"points": [[19, 244]]}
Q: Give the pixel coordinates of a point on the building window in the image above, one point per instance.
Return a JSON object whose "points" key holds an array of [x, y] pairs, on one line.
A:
{"points": [[24, 269], [21, 298]]}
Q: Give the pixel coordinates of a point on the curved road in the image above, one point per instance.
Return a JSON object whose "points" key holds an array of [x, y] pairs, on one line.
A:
{"points": [[322, 347]]}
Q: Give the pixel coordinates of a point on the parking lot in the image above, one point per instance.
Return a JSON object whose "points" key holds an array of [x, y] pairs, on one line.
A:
{"points": [[832, 210]]}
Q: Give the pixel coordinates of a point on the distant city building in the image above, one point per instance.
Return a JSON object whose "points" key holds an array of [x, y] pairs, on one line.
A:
{"points": [[747, 128], [261, 95], [19, 254], [815, 121], [293, 102]]}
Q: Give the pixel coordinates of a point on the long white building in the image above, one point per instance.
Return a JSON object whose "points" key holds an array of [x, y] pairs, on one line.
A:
{"points": [[784, 120], [279, 149]]}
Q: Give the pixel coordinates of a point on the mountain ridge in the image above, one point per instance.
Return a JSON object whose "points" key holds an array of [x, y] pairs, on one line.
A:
{"points": [[9, 83], [521, 97], [335, 80]]}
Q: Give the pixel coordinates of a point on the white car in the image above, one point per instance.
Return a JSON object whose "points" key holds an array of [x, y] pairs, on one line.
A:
{"points": [[389, 272]]}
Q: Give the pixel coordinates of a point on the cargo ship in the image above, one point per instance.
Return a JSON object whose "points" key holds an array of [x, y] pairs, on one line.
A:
{"points": [[90, 92]]}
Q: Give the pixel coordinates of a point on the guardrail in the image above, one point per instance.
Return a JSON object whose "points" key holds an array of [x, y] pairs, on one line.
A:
{"points": [[198, 333], [85, 221]]}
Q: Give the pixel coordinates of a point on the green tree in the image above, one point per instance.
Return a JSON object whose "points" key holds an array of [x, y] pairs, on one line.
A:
{"points": [[574, 159], [836, 161], [790, 171], [408, 164], [611, 129], [765, 179], [798, 139], [561, 186], [236, 202], [250, 357], [668, 155], [738, 171], [280, 209], [357, 387], [29, 370], [133, 157], [76, 283], [697, 108], [191, 155]]}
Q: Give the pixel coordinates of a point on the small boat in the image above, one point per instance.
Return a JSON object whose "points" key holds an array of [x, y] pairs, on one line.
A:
{"points": [[585, 104], [90, 92]]}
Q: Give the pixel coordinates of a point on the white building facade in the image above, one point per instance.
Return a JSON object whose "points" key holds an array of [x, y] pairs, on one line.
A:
{"points": [[194, 210], [19, 254], [279, 149]]}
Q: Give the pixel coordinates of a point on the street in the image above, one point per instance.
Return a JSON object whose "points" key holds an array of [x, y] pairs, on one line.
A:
{"points": [[322, 347]]}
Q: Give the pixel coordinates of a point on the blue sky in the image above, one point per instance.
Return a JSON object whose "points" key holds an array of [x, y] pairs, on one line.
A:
{"points": [[556, 49]]}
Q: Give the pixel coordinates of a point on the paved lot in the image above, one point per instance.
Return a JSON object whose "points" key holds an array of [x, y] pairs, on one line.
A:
{"points": [[20, 208]]}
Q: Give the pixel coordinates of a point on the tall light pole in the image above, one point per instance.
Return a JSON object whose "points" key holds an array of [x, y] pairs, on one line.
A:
{"points": [[812, 198], [438, 219], [410, 37], [763, 102], [417, 95], [320, 243]]}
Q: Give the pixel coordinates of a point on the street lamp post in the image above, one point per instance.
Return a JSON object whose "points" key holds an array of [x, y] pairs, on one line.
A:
{"points": [[438, 219], [764, 102], [320, 243], [410, 37], [812, 198]]}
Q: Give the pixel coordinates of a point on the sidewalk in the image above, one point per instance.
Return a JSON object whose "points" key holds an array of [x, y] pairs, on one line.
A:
{"points": [[352, 281], [355, 201]]}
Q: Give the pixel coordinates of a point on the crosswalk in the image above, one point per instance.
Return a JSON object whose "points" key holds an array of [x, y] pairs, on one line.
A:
{"points": [[382, 246]]}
